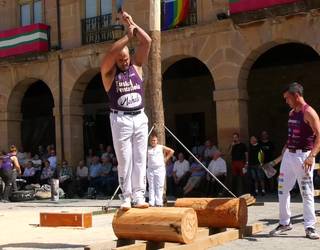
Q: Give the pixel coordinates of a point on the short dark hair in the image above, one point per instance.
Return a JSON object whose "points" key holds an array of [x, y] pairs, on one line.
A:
{"points": [[294, 88]]}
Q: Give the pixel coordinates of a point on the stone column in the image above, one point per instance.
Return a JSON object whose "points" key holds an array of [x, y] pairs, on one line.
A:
{"points": [[10, 129], [73, 134], [232, 116]]}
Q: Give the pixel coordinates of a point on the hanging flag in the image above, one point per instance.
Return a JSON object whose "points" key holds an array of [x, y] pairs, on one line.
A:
{"points": [[237, 6], [174, 13], [26, 39]]}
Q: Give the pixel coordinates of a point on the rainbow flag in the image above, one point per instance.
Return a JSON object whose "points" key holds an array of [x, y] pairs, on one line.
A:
{"points": [[26, 39], [237, 6], [174, 13]]}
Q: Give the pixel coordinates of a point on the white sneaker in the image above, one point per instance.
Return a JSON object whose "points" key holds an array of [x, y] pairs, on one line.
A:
{"points": [[125, 206], [140, 204], [311, 233]]}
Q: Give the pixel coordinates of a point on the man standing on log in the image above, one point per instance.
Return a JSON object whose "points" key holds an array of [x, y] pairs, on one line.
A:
{"points": [[122, 79], [298, 160]]}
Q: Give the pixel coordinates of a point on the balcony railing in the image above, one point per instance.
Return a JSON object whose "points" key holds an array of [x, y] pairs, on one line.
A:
{"points": [[191, 17], [97, 29]]}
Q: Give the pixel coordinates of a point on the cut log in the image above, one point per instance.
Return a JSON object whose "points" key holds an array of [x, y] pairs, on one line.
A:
{"points": [[156, 224], [217, 212], [66, 220]]}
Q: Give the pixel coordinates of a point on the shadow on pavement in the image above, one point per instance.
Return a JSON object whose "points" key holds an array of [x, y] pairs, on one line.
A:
{"points": [[40, 246]]}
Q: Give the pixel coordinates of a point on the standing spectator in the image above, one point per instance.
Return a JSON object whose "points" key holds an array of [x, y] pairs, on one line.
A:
{"points": [[255, 172], [89, 157], [239, 162], [21, 156], [157, 157], [268, 151], [180, 173], [41, 152], [208, 151], [82, 181], [218, 168], [8, 163], [198, 149], [100, 150]]}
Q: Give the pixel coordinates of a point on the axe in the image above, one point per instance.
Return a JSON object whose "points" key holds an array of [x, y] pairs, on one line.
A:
{"points": [[268, 168], [119, 4]]}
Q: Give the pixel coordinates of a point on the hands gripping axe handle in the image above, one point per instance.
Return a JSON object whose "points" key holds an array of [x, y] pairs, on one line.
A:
{"points": [[119, 4]]}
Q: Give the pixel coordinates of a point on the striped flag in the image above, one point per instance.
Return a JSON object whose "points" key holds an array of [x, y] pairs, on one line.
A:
{"points": [[174, 13], [237, 6], [26, 39]]}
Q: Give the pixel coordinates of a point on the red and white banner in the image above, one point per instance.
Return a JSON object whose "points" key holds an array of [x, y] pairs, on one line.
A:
{"points": [[237, 6], [26, 39]]}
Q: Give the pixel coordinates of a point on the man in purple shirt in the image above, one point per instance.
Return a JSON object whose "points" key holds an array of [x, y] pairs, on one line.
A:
{"points": [[122, 79]]}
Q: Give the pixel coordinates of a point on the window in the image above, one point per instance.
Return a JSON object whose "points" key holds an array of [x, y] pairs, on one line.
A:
{"points": [[97, 8], [31, 11]]}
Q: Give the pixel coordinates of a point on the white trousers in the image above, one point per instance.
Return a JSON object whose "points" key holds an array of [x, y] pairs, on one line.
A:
{"points": [[130, 139], [291, 169], [156, 177]]}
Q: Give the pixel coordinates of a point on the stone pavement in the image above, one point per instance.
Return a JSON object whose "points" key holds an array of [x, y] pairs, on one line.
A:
{"points": [[20, 230]]}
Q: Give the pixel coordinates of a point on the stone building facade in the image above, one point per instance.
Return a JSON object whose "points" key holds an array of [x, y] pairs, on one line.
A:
{"points": [[226, 49]]}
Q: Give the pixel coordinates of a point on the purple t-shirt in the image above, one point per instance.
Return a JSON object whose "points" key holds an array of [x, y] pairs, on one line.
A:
{"points": [[126, 92]]}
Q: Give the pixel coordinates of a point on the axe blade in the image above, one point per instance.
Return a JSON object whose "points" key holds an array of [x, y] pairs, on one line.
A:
{"points": [[119, 4]]}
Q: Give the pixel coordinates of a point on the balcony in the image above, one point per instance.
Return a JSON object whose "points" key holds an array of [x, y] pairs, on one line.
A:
{"points": [[191, 18], [97, 29]]}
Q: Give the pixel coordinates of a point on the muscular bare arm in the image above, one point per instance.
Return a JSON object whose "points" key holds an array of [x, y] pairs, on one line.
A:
{"points": [[312, 118], [108, 68], [16, 164], [168, 153]]}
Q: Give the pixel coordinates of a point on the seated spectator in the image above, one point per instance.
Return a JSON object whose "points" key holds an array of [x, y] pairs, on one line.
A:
{"points": [[95, 171], [29, 173], [218, 168], [21, 155], [115, 172], [53, 160], [197, 172], [208, 151], [169, 176], [66, 178], [82, 181], [109, 152], [107, 178], [36, 161], [46, 173], [180, 173]]}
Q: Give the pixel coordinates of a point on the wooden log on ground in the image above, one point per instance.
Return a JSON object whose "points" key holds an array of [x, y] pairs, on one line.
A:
{"points": [[156, 224], [66, 220], [217, 212]]}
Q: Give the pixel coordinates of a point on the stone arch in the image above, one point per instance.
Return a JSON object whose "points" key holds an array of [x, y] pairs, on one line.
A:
{"points": [[188, 100], [255, 53]]}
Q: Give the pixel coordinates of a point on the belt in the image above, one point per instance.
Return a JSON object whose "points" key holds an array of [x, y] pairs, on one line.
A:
{"points": [[135, 112], [298, 150]]}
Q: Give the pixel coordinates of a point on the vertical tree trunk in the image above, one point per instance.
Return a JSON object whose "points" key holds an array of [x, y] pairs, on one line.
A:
{"points": [[154, 103]]}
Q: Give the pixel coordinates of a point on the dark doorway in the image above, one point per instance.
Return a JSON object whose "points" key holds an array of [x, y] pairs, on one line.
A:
{"points": [[188, 103], [96, 127], [273, 70], [38, 124]]}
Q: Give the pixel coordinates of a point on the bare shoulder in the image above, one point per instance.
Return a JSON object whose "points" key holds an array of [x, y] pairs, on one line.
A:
{"points": [[108, 77], [310, 112]]}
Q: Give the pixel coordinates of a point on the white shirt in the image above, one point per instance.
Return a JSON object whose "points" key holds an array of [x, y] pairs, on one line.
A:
{"points": [[82, 172], [181, 168], [53, 161], [218, 167], [155, 157]]}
